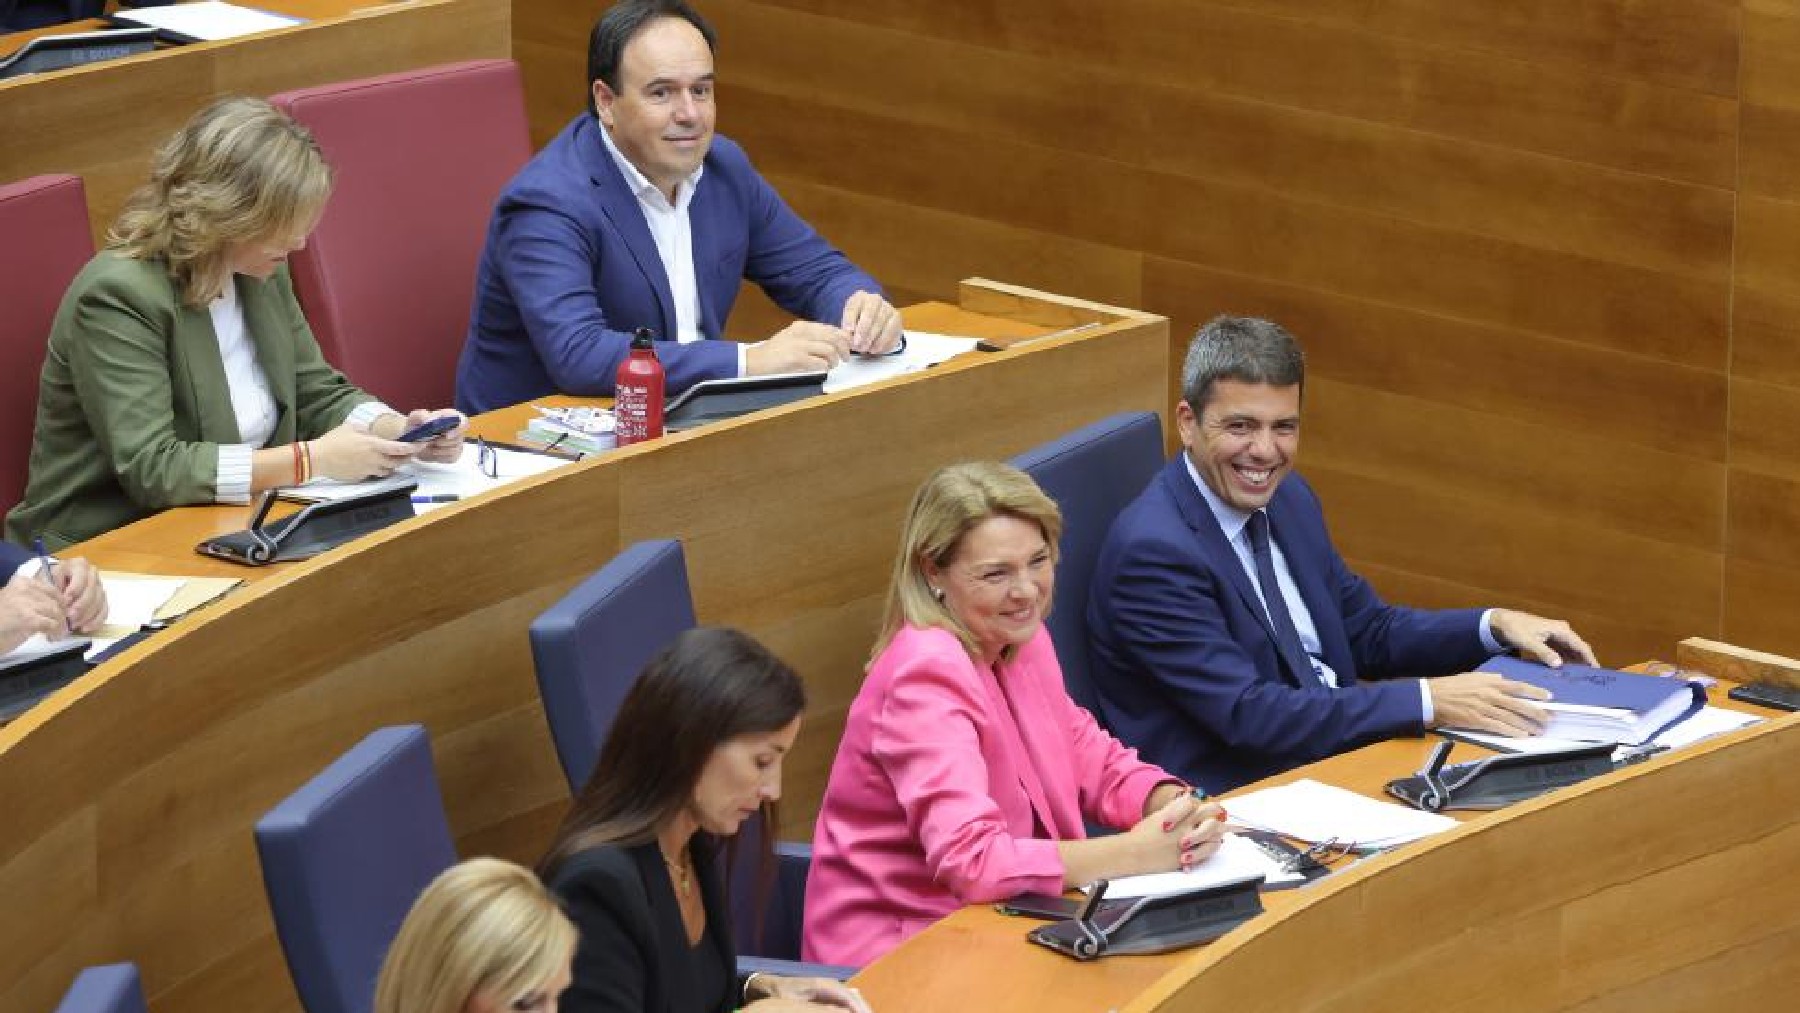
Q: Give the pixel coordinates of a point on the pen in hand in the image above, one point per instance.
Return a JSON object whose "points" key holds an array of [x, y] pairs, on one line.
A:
{"points": [[48, 573]]}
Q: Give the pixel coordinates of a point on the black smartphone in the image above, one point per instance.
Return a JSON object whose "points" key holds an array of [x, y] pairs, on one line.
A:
{"points": [[1785, 698], [1040, 905], [430, 428]]}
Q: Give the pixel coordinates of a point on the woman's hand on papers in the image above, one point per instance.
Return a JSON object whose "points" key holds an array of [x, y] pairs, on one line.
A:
{"points": [[1486, 702], [1547, 641], [785, 993]]}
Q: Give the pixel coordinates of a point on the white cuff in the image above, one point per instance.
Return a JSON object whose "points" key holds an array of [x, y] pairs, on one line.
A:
{"points": [[1486, 630], [1425, 703], [744, 358], [231, 482], [366, 413]]}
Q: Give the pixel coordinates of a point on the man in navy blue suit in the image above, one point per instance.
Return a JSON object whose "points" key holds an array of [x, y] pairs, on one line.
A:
{"points": [[636, 215], [29, 605], [1230, 641]]}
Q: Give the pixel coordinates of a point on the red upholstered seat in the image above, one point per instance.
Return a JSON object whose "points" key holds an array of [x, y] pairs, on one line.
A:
{"points": [[419, 158], [44, 241]]}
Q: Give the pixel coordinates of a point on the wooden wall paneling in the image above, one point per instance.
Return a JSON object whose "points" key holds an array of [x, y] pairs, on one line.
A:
{"points": [[1336, 63]]}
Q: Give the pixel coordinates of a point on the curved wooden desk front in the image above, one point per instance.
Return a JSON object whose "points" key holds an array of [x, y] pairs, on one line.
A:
{"points": [[1672, 886], [126, 800]]}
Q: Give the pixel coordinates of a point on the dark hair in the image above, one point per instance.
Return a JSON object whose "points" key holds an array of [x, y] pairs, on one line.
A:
{"points": [[622, 23], [1245, 349], [708, 687]]}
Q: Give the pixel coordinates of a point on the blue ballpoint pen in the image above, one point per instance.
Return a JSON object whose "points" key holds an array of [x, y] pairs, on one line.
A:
{"points": [[44, 571]]}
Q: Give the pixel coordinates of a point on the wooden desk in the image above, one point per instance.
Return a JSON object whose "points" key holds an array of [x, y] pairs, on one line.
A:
{"points": [[1670, 886], [102, 121], [128, 797]]}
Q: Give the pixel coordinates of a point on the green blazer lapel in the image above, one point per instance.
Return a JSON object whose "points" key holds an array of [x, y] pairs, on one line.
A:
{"points": [[194, 362], [264, 318]]}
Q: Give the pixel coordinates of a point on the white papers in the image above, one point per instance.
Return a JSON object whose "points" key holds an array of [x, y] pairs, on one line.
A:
{"points": [[922, 349], [131, 604], [1237, 858], [1309, 811], [1702, 724], [36, 646], [207, 21], [460, 480]]}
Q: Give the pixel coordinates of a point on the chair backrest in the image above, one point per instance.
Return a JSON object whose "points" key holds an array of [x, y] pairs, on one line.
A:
{"points": [[419, 158], [110, 988], [590, 646], [44, 222], [344, 858], [1092, 474]]}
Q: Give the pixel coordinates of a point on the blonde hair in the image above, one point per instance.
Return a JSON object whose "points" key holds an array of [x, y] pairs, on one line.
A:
{"points": [[239, 171], [482, 927], [951, 502]]}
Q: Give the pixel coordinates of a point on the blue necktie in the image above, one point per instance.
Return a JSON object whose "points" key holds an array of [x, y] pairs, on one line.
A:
{"points": [[1287, 636]]}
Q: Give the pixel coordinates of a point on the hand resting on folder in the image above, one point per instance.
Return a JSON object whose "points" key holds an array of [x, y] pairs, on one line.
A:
{"points": [[1491, 703]]}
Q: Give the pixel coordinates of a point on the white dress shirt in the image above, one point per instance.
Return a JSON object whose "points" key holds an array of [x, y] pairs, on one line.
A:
{"points": [[673, 232], [1236, 523]]}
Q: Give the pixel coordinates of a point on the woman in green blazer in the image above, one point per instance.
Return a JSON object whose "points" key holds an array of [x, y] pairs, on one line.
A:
{"points": [[180, 369]]}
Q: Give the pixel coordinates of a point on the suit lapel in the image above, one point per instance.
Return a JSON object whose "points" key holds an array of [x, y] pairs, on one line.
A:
{"points": [[197, 349], [1022, 759], [621, 208], [1199, 517]]}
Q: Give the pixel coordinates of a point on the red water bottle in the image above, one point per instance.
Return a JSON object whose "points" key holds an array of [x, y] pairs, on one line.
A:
{"points": [[638, 391]]}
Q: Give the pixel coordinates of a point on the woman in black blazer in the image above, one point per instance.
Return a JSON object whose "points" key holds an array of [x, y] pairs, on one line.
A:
{"points": [[695, 750]]}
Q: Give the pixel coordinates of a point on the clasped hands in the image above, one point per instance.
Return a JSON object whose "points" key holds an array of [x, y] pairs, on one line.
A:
{"points": [[1486, 702], [1179, 830], [29, 604], [801, 994], [870, 326]]}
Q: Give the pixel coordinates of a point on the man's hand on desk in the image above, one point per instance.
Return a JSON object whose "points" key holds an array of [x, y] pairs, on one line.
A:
{"points": [[1486, 702], [83, 596], [800, 347], [1548, 641], [28, 606], [872, 323]]}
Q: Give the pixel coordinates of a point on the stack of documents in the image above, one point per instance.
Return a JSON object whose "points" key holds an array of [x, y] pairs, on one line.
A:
{"points": [[1702, 724], [1309, 811], [1590, 704], [922, 349], [443, 483], [206, 21], [575, 430], [1237, 858]]}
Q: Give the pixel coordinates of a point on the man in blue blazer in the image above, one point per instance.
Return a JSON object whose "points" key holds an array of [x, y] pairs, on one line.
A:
{"points": [[636, 215], [1217, 680]]}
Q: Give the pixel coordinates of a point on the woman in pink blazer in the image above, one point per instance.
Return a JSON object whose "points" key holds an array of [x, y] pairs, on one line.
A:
{"points": [[965, 771]]}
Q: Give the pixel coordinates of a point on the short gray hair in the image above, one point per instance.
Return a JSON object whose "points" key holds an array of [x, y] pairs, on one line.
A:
{"points": [[1245, 349]]}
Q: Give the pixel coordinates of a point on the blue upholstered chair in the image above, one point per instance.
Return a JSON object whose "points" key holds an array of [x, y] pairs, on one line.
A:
{"points": [[344, 858], [588, 649], [1092, 474], [111, 988]]}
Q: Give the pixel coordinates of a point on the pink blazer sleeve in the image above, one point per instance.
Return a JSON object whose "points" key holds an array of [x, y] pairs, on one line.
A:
{"points": [[929, 740], [1114, 782]]}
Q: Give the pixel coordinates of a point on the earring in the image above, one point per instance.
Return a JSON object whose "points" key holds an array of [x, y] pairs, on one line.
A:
{"points": [[938, 593]]}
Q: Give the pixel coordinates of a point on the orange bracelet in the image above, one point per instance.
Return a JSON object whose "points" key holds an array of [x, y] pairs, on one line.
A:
{"points": [[299, 466]]}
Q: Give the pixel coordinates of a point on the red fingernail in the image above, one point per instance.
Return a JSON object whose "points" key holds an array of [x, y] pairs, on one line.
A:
{"points": [[1166, 826]]}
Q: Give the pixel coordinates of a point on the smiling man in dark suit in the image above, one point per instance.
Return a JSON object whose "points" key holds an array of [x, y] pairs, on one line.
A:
{"points": [[637, 215], [1231, 642]]}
